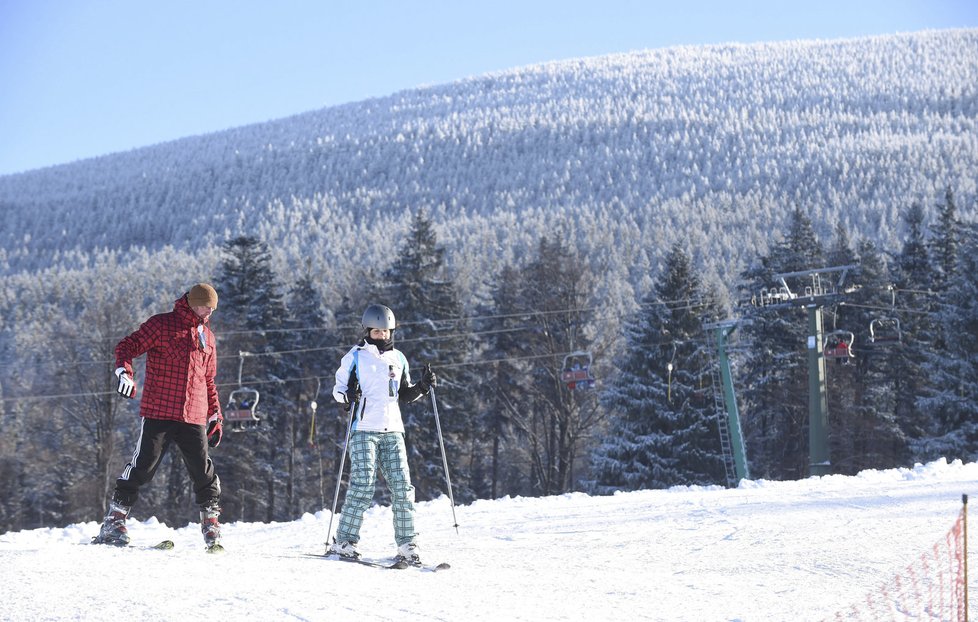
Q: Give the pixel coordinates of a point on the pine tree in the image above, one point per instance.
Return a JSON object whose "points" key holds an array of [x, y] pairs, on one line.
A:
{"points": [[842, 377], [914, 280], [432, 330], [945, 242], [864, 432], [251, 323], [308, 342], [548, 298], [665, 432], [502, 417], [951, 395]]}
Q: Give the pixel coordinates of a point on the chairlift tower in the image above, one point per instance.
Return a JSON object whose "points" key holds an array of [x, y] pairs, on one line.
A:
{"points": [[820, 293], [728, 416]]}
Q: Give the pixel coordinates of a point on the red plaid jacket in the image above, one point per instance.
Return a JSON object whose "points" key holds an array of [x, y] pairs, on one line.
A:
{"points": [[180, 371]]}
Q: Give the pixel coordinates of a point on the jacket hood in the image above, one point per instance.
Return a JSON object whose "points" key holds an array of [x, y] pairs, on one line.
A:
{"points": [[182, 308]]}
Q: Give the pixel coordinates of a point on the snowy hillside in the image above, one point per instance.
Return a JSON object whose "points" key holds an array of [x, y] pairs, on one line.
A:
{"points": [[631, 152], [863, 546]]}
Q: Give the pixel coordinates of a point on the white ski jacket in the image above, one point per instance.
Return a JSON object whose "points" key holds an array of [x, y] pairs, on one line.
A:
{"points": [[375, 382]]}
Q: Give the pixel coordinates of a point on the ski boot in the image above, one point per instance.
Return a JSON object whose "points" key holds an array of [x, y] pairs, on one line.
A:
{"points": [[347, 550], [211, 528], [408, 553], [113, 529]]}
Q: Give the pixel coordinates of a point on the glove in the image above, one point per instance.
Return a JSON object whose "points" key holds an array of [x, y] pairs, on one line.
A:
{"points": [[215, 429], [127, 386], [428, 378], [342, 398]]}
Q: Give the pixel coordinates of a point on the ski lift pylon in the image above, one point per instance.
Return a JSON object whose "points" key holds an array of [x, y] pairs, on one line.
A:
{"points": [[576, 371]]}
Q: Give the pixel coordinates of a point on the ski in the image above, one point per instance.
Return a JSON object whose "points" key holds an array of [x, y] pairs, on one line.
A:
{"points": [[404, 564], [356, 560], [163, 545], [214, 548], [372, 563], [396, 564]]}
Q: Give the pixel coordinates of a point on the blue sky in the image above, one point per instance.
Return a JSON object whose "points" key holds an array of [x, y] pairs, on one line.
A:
{"points": [[82, 78]]}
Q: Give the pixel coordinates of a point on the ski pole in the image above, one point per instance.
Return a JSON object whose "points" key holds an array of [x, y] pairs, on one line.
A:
{"points": [[444, 459], [339, 476]]}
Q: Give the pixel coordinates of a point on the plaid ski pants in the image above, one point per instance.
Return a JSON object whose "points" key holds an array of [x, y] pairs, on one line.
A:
{"points": [[368, 450]]}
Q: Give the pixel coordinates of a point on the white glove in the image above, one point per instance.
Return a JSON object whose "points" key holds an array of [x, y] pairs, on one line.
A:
{"points": [[127, 387]]}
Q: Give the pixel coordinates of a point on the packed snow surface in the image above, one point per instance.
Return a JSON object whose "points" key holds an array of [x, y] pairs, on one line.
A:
{"points": [[795, 550]]}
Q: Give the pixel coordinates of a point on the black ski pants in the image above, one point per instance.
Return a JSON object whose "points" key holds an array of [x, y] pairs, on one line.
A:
{"points": [[155, 437]]}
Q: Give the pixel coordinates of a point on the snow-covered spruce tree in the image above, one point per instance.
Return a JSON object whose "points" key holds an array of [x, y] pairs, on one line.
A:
{"points": [[944, 243], [432, 329], [951, 395], [251, 319], [775, 372], [664, 431], [875, 438], [547, 307], [842, 378], [308, 343], [862, 430], [504, 327], [916, 300], [251, 299]]}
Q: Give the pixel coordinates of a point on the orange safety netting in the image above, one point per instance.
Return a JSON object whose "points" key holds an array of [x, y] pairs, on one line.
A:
{"points": [[934, 587]]}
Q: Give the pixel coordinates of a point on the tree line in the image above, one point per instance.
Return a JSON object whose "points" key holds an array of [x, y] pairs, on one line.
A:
{"points": [[512, 424]]}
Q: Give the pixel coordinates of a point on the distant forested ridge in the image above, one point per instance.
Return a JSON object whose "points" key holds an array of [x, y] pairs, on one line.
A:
{"points": [[628, 153]]}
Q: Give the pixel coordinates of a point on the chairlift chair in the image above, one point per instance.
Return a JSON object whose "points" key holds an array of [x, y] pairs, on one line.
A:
{"points": [[576, 371], [838, 346], [885, 331], [241, 412]]}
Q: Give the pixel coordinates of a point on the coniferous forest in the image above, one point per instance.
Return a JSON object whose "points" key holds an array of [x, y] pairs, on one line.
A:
{"points": [[552, 240]]}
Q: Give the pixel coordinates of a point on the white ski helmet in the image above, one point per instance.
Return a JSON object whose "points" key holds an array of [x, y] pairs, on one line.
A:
{"points": [[378, 316]]}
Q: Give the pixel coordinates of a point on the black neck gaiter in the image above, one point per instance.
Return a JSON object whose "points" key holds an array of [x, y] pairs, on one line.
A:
{"points": [[384, 345]]}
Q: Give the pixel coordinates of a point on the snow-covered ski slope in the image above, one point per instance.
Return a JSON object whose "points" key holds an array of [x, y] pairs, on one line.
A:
{"points": [[798, 550]]}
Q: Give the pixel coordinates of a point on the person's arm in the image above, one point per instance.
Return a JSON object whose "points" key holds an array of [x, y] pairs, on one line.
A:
{"points": [[136, 344], [346, 390], [213, 400], [129, 348], [411, 392]]}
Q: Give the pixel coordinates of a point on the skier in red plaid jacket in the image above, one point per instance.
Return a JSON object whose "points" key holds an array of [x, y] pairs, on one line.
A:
{"points": [[179, 405]]}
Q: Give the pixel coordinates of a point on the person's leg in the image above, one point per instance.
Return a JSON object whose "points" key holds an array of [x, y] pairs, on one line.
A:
{"points": [[150, 447], [363, 478], [394, 466], [192, 442], [154, 438]]}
